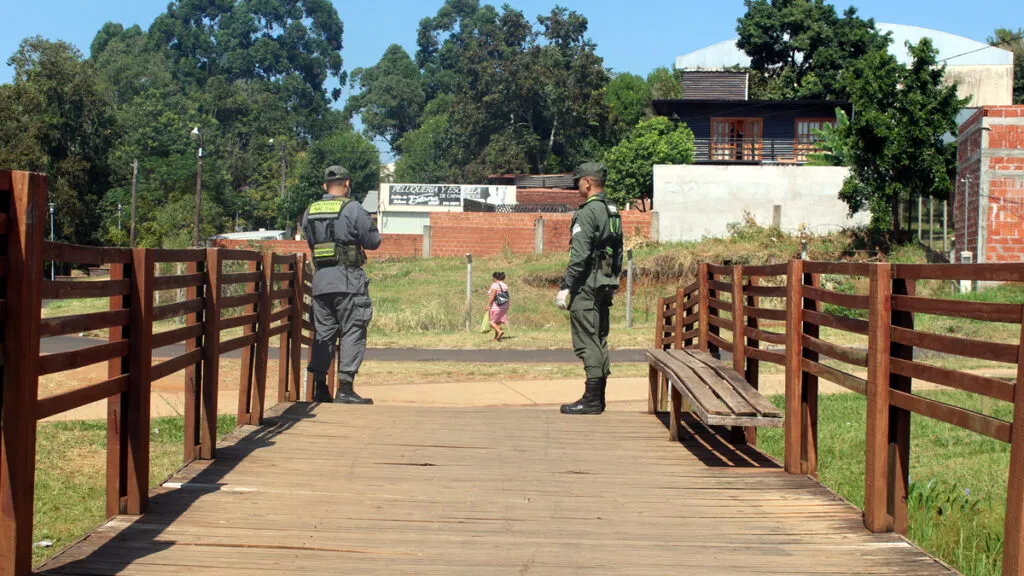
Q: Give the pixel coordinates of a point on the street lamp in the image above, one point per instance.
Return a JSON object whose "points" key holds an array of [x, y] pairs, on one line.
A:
{"points": [[199, 185], [53, 273]]}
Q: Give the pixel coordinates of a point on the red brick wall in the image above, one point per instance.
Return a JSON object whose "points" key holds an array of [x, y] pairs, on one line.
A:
{"points": [[1006, 220], [393, 246], [486, 234], [547, 196], [992, 159]]}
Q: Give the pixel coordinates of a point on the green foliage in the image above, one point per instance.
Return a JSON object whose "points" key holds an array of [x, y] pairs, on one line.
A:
{"points": [[56, 118], [421, 161], [631, 163], [834, 142], [391, 97], [664, 84], [895, 142], [344, 148], [1014, 41], [798, 48], [628, 98]]}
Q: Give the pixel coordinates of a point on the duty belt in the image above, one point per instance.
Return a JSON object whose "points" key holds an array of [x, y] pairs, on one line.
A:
{"points": [[327, 254]]}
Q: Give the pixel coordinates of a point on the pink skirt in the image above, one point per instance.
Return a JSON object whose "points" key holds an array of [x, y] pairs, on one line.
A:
{"points": [[499, 314]]}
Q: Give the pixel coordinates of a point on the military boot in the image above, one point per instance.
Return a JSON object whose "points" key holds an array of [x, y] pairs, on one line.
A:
{"points": [[592, 401], [321, 393], [347, 395], [604, 387]]}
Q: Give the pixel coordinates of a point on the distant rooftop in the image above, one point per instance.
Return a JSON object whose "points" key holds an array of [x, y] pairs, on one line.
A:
{"points": [[959, 50]]}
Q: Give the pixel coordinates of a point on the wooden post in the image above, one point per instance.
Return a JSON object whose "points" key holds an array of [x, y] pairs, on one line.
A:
{"points": [[26, 221], [1013, 536], [652, 395], [677, 336], [140, 351], [702, 326], [245, 372], [876, 462], [931, 223], [689, 306], [794, 366], [211, 357], [752, 373], [295, 348], [738, 332], [809, 394], [117, 406], [259, 396], [283, 352], [899, 419], [659, 325], [193, 373]]}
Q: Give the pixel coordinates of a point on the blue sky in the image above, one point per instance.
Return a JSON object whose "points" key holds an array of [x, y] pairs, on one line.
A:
{"points": [[633, 36]]}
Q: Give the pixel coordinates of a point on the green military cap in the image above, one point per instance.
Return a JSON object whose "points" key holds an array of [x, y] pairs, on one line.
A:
{"points": [[592, 170], [336, 174]]}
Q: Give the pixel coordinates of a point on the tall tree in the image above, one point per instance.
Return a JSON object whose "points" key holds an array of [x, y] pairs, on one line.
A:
{"points": [[631, 163], [798, 48], [664, 84], [1013, 41], [896, 147], [628, 98], [391, 98], [56, 118]]}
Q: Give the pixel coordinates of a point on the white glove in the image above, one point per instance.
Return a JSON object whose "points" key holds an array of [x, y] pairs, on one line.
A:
{"points": [[562, 300]]}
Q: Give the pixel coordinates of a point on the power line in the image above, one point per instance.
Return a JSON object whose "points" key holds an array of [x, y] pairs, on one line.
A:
{"points": [[1000, 43]]}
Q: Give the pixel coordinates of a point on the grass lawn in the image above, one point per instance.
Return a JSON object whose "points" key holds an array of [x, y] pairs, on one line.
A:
{"points": [[70, 496], [958, 478]]}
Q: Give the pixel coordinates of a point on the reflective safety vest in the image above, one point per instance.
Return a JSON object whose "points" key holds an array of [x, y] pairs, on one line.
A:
{"points": [[322, 216]]}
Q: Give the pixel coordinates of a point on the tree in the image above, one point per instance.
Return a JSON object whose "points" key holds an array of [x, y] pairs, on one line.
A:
{"points": [[896, 138], [798, 48], [391, 98], [344, 148], [631, 163], [56, 118], [421, 161], [833, 142], [664, 84], [628, 98], [1013, 41]]}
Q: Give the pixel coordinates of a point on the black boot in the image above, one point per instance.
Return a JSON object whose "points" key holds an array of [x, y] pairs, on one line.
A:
{"points": [[347, 395], [321, 393], [592, 401], [604, 386]]}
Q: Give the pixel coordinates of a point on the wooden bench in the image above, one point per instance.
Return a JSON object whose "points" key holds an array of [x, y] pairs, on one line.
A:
{"points": [[716, 394]]}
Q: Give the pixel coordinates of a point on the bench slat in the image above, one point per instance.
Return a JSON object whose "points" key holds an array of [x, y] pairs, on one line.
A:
{"points": [[763, 405], [714, 380], [704, 401]]}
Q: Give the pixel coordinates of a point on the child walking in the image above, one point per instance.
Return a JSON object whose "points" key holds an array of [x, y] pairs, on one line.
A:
{"points": [[497, 305]]}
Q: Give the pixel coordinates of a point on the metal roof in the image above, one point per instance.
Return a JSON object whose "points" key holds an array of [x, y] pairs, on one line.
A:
{"points": [[959, 51]]}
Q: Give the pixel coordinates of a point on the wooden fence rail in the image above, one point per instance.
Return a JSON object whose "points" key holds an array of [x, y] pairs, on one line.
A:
{"points": [[265, 300], [786, 313]]}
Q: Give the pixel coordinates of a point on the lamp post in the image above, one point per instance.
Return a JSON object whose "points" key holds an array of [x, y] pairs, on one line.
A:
{"points": [[53, 273], [119, 208], [199, 185]]}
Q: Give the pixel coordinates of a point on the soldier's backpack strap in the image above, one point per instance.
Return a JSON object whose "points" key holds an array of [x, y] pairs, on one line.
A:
{"points": [[609, 249]]}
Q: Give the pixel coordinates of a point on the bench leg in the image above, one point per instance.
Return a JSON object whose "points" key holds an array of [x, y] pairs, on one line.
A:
{"points": [[738, 435], [652, 398], [663, 395], [675, 419]]}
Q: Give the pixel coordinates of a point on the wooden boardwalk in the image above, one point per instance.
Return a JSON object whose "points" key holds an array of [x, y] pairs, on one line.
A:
{"points": [[416, 490]]}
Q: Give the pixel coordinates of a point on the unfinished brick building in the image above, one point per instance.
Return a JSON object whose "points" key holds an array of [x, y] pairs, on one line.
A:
{"points": [[990, 185]]}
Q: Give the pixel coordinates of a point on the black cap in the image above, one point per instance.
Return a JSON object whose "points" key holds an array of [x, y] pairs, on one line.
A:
{"points": [[336, 174]]}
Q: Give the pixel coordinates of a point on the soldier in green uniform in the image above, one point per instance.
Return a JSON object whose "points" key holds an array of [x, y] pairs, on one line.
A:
{"points": [[339, 231], [590, 282]]}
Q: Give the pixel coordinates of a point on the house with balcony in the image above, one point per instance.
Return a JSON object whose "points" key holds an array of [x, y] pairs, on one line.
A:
{"points": [[729, 128]]}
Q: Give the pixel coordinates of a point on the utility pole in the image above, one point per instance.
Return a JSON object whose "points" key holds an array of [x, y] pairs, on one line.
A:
{"points": [[53, 265], [135, 177], [629, 288], [284, 168], [469, 292], [199, 186]]}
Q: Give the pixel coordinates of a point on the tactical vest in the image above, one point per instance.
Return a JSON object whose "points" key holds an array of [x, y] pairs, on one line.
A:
{"points": [[608, 250], [322, 216]]}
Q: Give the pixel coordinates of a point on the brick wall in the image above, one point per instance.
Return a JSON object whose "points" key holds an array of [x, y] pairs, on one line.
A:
{"points": [[990, 167], [485, 234], [547, 196], [393, 246]]}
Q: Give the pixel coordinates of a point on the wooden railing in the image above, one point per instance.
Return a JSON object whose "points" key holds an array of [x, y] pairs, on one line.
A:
{"points": [[789, 315], [207, 291]]}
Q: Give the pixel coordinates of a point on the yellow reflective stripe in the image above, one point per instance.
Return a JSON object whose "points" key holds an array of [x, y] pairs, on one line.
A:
{"points": [[324, 252], [325, 207]]}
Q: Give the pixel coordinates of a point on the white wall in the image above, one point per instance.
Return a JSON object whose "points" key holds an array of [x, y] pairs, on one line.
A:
{"points": [[698, 201], [403, 222]]}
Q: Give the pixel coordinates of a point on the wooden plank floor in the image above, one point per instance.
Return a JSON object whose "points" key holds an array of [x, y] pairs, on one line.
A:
{"points": [[417, 490]]}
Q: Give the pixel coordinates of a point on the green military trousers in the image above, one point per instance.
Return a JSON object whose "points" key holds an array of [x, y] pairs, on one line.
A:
{"points": [[589, 318]]}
